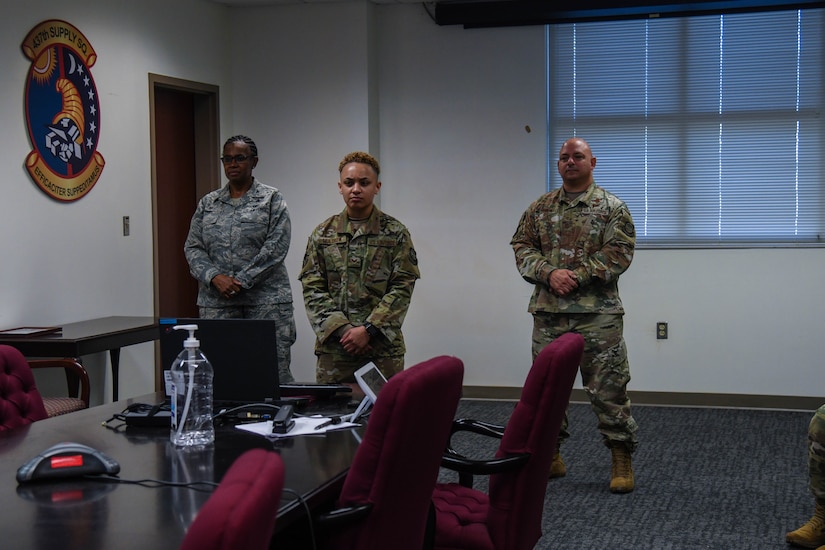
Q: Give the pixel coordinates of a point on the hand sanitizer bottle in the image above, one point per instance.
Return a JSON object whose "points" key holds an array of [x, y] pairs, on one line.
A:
{"points": [[191, 375]]}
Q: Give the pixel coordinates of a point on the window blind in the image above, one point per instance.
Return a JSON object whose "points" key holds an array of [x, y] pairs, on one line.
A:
{"points": [[711, 128]]}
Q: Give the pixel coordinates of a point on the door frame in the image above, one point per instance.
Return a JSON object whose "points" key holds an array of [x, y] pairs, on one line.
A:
{"points": [[207, 173]]}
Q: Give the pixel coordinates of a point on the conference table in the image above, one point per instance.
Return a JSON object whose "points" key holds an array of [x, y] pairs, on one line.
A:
{"points": [[89, 514], [87, 337]]}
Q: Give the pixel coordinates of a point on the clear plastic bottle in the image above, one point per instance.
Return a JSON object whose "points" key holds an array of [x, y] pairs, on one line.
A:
{"points": [[191, 375]]}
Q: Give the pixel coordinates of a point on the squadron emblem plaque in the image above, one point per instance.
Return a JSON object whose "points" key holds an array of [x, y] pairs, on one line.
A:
{"points": [[62, 111]]}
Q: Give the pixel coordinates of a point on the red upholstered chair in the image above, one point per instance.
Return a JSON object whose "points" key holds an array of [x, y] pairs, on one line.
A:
{"points": [[20, 402], [508, 516], [241, 512], [386, 498], [77, 382]]}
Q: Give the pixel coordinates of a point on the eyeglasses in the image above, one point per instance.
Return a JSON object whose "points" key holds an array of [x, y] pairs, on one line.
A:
{"points": [[226, 159]]}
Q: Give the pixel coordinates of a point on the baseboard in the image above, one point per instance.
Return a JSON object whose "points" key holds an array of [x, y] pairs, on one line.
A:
{"points": [[675, 399]]}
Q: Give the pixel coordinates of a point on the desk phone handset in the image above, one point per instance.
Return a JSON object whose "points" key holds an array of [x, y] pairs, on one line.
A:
{"points": [[67, 460], [283, 422]]}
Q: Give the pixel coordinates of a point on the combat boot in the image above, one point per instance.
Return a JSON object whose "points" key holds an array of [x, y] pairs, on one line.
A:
{"points": [[622, 474], [812, 534], [557, 467]]}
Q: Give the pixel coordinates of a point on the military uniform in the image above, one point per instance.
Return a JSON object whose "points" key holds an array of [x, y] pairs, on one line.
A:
{"points": [[352, 276], [812, 533], [816, 454], [246, 238], [592, 235]]}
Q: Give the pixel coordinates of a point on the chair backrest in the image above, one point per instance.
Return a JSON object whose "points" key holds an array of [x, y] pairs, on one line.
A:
{"points": [[517, 498], [241, 512], [396, 465], [20, 402]]}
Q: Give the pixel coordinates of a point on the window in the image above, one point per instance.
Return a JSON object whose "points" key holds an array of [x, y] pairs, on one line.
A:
{"points": [[711, 128]]}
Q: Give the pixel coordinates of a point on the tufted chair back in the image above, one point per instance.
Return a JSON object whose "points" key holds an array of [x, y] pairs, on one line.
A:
{"points": [[509, 515], [241, 513], [20, 402], [396, 465]]}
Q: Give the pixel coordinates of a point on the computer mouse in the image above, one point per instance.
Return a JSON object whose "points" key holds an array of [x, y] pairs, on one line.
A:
{"points": [[67, 460]]}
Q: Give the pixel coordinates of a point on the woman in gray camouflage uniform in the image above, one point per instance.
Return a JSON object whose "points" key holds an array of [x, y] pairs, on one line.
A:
{"points": [[238, 239]]}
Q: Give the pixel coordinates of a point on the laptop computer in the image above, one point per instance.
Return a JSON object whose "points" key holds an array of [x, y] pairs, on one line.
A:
{"points": [[242, 353]]}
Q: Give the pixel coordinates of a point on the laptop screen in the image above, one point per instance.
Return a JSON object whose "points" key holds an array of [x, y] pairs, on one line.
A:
{"points": [[242, 353]]}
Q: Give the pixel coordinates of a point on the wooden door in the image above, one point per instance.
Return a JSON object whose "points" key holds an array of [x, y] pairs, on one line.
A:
{"points": [[184, 128]]}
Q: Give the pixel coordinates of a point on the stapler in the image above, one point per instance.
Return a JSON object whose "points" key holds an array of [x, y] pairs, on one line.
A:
{"points": [[283, 422]]}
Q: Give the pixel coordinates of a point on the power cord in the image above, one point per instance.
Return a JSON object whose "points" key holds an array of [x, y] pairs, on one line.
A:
{"points": [[304, 503], [240, 408], [206, 486], [254, 407], [149, 410]]}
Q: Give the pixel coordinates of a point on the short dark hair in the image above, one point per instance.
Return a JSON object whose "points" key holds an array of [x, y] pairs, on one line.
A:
{"points": [[244, 139], [361, 158]]}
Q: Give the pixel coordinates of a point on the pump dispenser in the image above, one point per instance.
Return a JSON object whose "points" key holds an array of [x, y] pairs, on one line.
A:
{"points": [[191, 375]]}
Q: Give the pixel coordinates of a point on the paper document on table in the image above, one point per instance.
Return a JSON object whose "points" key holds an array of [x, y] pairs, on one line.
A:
{"points": [[304, 425]]}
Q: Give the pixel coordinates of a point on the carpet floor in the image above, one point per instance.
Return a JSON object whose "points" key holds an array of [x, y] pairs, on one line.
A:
{"points": [[706, 478]]}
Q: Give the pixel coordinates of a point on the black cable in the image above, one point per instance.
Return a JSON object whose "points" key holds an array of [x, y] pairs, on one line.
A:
{"points": [[150, 410], [303, 502], [253, 406], [155, 483]]}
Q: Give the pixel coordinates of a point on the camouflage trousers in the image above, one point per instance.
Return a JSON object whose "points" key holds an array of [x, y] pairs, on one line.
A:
{"points": [[284, 332], [816, 454], [335, 369], [604, 369]]}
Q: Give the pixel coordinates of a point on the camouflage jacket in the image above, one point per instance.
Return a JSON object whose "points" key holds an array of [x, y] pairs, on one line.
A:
{"points": [[592, 235], [248, 240], [351, 277]]}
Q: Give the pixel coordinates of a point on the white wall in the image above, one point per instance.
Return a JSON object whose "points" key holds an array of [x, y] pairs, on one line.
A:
{"points": [[459, 168], [740, 321], [301, 92], [445, 109], [66, 262]]}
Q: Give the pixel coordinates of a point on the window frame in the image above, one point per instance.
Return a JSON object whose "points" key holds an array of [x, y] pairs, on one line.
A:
{"points": [[618, 134]]}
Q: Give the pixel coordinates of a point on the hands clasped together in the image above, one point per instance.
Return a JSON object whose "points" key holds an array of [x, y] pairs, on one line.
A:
{"points": [[226, 285], [562, 282], [356, 341]]}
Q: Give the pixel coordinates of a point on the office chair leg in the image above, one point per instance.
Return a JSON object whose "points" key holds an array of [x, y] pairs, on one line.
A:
{"points": [[429, 533]]}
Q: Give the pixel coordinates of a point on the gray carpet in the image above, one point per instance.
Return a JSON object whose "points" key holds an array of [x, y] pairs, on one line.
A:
{"points": [[705, 479]]}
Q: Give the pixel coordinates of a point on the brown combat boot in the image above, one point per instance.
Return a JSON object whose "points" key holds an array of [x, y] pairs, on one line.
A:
{"points": [[622, 475], [557, 467], [812, 534]]}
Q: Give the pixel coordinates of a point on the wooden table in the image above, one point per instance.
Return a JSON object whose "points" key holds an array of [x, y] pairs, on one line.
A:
{"points": [[87, 337], [87, 515]]}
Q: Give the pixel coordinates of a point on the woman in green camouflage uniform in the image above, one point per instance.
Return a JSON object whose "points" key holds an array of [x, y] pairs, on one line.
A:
{"points": [[358, 277]]}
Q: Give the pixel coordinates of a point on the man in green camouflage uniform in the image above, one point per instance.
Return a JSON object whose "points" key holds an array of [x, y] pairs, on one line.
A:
{"points": [[812, 533], [358, 276], [238, 239], [572, 244]]}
